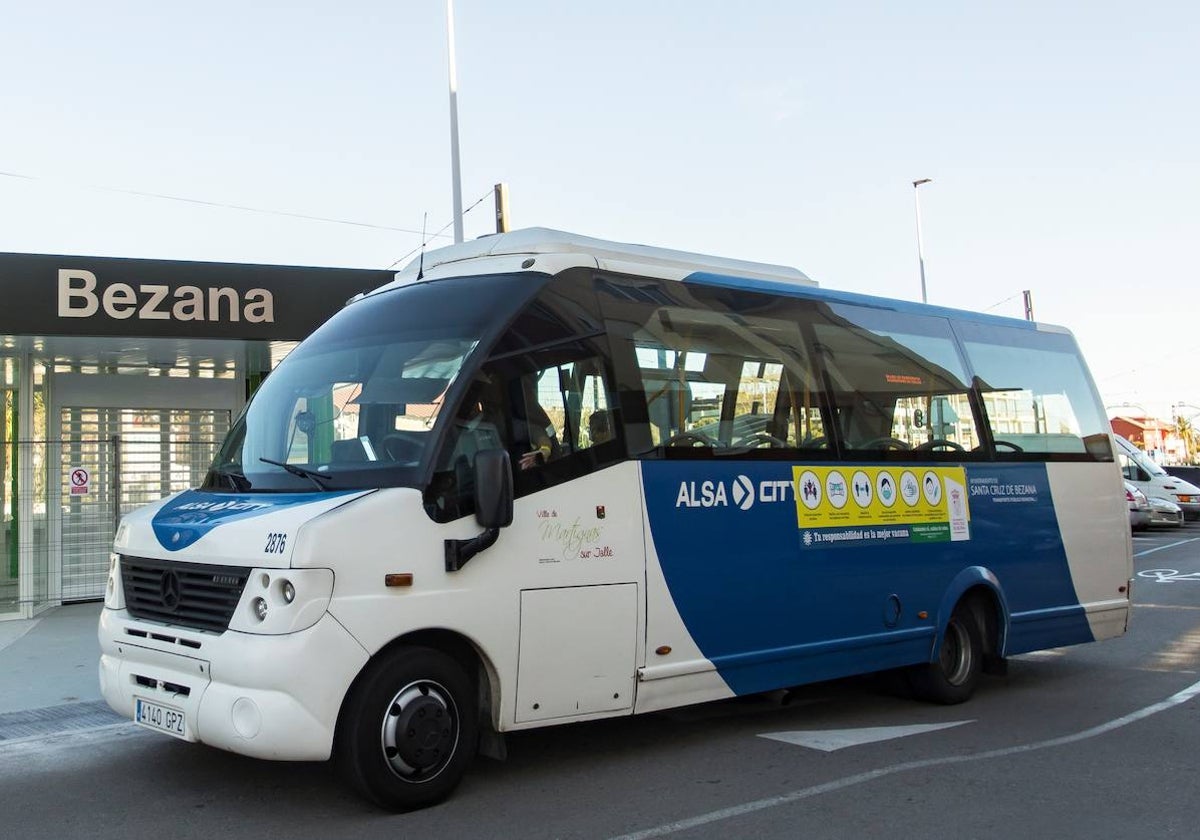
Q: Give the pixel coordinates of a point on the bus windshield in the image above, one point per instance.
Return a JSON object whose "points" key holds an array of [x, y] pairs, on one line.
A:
{"points": [[357, 404]]}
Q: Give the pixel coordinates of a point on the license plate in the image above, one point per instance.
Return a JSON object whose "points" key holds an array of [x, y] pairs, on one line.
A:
{"points": [[159, 717]]}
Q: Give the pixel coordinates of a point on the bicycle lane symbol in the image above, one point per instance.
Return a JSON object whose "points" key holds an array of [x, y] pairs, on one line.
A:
{"points": [[1169, 575]]}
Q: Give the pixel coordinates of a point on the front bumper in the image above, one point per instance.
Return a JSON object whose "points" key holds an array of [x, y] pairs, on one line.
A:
{"points": [[273, 697], [1191, 510]]}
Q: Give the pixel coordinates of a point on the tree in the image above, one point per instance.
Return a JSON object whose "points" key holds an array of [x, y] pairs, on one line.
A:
{"points": [[1187, 432]]}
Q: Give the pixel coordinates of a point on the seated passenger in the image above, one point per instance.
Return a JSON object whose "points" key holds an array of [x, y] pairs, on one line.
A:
{"points": [[600, 427]]}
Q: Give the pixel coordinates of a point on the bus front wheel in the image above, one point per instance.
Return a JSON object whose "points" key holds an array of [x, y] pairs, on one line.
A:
{"points": [[409, 730], [954, 673]]}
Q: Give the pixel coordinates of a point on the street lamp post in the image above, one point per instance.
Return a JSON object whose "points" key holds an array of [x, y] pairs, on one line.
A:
{"points": [[920, 251], [455, 172]]}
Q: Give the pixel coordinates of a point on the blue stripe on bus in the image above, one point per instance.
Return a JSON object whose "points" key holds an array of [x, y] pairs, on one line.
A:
{"points": [[776, 288], [191, 515], [770, 611]]}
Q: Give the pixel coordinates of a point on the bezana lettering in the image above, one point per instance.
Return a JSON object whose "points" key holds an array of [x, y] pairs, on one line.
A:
{"points": [[77, 298]]}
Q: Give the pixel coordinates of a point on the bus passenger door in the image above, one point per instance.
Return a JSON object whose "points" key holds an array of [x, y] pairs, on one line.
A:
{"points": [[574, 556]]}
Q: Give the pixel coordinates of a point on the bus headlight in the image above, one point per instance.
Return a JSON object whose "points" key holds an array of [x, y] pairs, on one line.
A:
{"points": [[278, 601], [122, 537], [114, 592]]}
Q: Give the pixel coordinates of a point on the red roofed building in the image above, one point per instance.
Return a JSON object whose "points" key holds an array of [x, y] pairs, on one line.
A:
{"points": [[1153, 436]]}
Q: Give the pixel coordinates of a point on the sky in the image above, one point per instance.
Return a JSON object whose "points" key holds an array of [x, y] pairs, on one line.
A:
{"points": [[1063, 140]]}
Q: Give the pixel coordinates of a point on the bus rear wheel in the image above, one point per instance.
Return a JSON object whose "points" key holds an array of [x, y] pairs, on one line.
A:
{"points": [[954, 673], [409, 730]]}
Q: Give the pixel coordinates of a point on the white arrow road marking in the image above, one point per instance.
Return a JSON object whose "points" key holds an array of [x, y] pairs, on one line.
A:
{"points": [[869, 776], [828, 740]]}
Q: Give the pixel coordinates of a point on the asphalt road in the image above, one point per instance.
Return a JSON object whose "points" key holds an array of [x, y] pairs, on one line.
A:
{"points": [[1100, 740]]}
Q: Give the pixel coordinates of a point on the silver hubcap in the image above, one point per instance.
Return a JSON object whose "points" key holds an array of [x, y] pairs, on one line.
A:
{"points": [[956, 657], [419, 732]]}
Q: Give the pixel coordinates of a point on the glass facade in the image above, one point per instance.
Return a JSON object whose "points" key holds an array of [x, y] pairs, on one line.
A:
{"points": [[73, 460], [118, 378]]}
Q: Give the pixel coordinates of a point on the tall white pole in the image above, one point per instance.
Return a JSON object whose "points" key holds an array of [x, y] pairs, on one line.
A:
{"points": [[455, 174], [920, 250]]}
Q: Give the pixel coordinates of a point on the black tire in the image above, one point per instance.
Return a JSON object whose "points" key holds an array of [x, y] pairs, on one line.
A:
{"points": [[409, 729], [954, 673]]}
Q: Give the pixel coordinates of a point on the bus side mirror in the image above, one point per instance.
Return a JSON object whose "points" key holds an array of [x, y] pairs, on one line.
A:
{"points": [[493, 489], [493, 507]]}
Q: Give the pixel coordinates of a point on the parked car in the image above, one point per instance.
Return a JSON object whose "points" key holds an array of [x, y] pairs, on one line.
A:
{"points": [[1189, 474], [1165, 513], [1139, 507], [1154, 481]]}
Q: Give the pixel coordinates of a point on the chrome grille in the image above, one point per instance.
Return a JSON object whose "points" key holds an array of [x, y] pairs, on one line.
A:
{"points": [[185, 594]]}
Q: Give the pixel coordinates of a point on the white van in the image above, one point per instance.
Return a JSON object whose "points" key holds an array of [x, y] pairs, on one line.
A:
{"points": [[1154, 481]]}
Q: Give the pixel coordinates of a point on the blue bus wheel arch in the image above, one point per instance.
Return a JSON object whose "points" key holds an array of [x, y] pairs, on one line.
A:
{"points": [[977, 589]]}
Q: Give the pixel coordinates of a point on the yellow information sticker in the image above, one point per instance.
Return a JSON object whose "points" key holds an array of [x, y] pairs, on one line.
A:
{"points": [[852, 496]]}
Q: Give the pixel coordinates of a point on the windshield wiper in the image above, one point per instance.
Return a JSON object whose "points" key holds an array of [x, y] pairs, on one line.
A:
{"points": [[237, 479], [312, 475]]}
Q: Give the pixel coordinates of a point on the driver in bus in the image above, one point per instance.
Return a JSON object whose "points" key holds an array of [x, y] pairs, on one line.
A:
{"points": [[541, 435]]}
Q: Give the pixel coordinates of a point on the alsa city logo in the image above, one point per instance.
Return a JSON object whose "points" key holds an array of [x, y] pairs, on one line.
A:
{"points": [[78, 298], [741, 492]]}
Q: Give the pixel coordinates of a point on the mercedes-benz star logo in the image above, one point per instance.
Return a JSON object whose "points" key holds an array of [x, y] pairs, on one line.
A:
{"points": [[168, 590]]}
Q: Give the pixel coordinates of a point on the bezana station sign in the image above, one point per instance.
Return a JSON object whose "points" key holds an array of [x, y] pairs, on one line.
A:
{"points": [[107, 296], [78, 298]]}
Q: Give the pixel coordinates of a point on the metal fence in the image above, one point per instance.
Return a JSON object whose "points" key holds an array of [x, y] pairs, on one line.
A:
{"points": [[63, 500]]}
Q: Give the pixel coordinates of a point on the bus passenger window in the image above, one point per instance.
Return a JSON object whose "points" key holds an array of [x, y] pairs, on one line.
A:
{"points": [[595, 409], [1036, 393], [540, 419], [716, 371], [559, 418], [720, 381], [565, 408], [899, 384]]}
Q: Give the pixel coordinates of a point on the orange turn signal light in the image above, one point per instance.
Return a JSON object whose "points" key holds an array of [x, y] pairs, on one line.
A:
{"points": [[401, 579], [922, 615], [662, 650]]}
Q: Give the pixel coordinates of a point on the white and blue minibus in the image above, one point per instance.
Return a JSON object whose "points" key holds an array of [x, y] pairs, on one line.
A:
{"points": [[541, 479]]}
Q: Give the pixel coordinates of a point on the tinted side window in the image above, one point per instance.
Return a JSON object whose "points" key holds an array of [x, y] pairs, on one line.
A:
{"points": [[1036, 393], [710, 370], [544, 395], [897, 383]]}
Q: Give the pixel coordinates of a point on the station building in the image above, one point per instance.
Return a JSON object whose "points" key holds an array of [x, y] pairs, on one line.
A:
{"points": [[119, 378]]}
